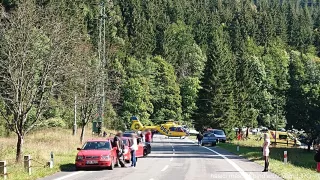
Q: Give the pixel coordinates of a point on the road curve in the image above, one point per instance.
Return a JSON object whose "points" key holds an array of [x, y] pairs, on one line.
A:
{"points": [[178, 159]]}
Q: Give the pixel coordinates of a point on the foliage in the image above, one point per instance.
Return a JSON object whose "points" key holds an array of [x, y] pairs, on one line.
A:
{"points": [[214, 63]]}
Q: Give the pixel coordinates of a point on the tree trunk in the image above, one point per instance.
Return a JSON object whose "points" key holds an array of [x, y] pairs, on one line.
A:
{"points": [[19, 148], [82, 133]]}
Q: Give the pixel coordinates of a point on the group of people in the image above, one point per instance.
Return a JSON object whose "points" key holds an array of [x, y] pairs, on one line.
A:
{"points": [[118, 143], [146, 137]]}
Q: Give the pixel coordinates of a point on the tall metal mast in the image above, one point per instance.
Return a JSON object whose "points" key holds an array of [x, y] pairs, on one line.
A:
{"points": [[102, 62]]}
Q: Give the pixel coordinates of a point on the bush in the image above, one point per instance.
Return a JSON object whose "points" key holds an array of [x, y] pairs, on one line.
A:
{"points": [[54, 122]]}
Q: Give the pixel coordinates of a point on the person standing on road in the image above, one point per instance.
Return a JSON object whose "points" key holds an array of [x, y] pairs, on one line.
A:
{"points": [[120, 148], [148, 136], [266, 151], [152, 134], [142, 136], [199, 138], [133, 149]]}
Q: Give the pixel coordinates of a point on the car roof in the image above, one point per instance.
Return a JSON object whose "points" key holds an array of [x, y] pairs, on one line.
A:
{"points": [[130, 132], [126, 137], [97, 140]]}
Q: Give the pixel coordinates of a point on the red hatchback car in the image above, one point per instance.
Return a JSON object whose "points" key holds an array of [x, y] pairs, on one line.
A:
{"points": [[96, 154]]}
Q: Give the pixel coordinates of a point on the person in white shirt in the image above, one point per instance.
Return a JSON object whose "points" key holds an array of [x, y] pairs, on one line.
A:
{"points": [[266, 151], [133, 149]]}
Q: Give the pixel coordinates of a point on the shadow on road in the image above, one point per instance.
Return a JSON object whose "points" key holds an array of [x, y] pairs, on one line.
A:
{"points": [[67, 167]]}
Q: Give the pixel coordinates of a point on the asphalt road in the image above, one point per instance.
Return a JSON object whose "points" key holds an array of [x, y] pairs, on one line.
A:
{"points": [[178, 159]]}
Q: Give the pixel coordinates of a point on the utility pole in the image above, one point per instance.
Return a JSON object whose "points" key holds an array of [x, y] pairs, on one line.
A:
{"points": [[75, 116], [102, 64], [276, 122]]}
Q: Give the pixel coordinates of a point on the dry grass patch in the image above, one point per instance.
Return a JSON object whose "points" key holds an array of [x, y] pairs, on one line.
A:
{"points": [[39, 145]]}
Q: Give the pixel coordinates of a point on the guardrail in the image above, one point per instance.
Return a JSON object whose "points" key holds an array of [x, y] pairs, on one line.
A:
{"points": [[29, 165]]}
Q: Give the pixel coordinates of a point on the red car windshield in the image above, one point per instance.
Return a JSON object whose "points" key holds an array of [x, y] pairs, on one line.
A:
{"points": [[97, 145]]}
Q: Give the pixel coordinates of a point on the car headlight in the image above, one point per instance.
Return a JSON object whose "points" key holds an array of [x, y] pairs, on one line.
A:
{"points": [[107, 157], [79, 158]]}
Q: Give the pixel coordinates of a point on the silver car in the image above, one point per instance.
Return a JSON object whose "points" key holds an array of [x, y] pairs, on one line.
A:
{"points": [[219, 134], [209, 138]]}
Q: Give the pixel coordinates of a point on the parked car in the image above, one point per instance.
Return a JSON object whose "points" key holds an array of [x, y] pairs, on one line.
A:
{"points": [[219, 134], [209, 138], [96, 154], [254, 131]]}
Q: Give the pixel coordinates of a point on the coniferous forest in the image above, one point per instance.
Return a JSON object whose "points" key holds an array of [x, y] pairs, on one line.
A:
{"points": [[211, 63]]}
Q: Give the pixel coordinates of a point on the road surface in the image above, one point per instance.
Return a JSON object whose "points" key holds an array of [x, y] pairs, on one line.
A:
{"points": [[178, 159]]}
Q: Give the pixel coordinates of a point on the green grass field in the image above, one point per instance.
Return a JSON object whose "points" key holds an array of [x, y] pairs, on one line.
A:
{"points": [[300, 162], [39, 145]]}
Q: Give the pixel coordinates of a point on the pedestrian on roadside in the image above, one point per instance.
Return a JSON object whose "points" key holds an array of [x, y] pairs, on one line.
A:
{"points": [[142, 136], [104, 134], [199, 138], [148, 136], [133, 149], [247, 133], [152, 134], [266, 151], [120, 148]]}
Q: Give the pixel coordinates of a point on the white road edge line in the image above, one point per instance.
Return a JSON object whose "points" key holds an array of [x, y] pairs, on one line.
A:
{"points": [[69, 175], [241, 171], [165, 168]]}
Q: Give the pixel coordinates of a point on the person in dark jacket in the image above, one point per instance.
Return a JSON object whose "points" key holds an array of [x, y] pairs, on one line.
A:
{"points": [[199, 138], [317, 155], [120, 148]]}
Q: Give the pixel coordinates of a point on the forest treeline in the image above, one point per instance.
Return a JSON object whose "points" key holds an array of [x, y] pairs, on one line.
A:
{"points": [[211, 63]]}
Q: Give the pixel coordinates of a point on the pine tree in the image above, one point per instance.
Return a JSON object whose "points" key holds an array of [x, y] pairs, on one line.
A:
{"points": [[165, 93], [215, 103]]}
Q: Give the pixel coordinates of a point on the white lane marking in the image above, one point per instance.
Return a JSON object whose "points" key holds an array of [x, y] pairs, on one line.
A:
{"points": [[165, 168], [171, 159], [151, 179], [241, 171], [69, 175]]}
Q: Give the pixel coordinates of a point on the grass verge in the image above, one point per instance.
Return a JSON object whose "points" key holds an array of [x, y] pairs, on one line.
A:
{"points": [[39, 145], [300, 164]]}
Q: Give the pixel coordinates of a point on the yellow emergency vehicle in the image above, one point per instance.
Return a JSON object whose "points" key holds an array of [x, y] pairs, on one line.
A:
{"points": [[279, 138]]}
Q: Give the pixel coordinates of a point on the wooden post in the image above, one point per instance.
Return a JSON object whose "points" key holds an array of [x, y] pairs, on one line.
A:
{"points": [[27, 164], [3, 169]]}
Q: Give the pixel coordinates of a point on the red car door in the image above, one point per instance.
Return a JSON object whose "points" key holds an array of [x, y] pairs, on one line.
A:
{"points": [[126, 153], [139, 152], [113, 151]]}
